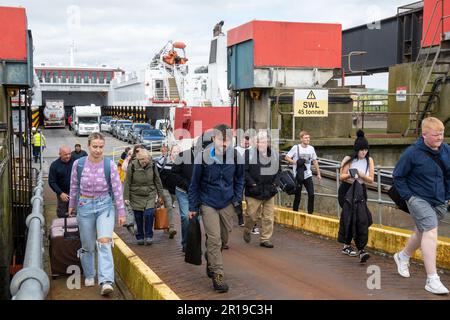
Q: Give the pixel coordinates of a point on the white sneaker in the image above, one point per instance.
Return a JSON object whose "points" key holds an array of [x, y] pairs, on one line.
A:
{"points": [[89, 282], [402, 266], [255, 230], [435, 286], [107, 288]]}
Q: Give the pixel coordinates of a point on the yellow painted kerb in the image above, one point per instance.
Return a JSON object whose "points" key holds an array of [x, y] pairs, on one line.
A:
{"points": [[143, 283], [381, 238]]}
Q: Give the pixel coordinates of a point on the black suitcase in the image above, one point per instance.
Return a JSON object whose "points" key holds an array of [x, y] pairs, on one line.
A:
{"points": [[64, 245]]}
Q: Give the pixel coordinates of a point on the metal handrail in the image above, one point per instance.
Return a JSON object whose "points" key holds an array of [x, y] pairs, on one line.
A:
{"points": [[385, 171], [32, 282]]}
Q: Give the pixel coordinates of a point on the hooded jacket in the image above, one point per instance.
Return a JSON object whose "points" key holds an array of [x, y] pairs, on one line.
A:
{"points": [[416, 174], [215, 182]]}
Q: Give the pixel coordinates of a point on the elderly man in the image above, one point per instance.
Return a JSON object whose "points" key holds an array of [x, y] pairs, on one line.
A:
{"points": [[59, 179]]}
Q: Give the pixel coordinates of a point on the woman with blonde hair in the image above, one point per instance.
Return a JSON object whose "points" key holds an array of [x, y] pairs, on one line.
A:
{"points": [[141, 187], [95, 184]]}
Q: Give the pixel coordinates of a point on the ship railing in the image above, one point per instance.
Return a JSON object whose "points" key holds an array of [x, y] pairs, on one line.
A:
{"points": [[334, 167], [32, 282]]}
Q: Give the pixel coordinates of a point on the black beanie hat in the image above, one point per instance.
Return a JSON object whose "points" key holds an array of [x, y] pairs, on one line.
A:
{"points": [[361, 142]]}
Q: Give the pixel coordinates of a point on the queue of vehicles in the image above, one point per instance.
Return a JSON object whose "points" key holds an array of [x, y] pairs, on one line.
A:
{"points": [[135, 133]]}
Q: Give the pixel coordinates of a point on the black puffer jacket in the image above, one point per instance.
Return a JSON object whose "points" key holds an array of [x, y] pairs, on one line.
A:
{"points": [[182, 169], [355, 218], [260, 174]]}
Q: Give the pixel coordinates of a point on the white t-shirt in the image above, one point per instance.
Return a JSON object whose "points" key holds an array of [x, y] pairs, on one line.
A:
{"points": [[308, 154]]}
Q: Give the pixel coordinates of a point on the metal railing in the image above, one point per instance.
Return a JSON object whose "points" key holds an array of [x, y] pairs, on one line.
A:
{"points": [[379, 172], [32, 282]]}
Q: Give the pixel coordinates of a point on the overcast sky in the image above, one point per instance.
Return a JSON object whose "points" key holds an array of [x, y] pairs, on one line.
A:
{"points": [[127, 34]]}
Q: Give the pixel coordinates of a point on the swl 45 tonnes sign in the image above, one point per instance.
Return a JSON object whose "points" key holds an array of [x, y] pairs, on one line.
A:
{"points": [[311, 103]]}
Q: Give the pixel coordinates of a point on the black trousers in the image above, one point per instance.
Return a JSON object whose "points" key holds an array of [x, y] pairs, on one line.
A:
{"points": [[308, 183]]}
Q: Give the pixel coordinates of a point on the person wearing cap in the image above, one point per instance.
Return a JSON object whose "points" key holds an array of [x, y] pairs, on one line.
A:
{"points": [[358, 167]]}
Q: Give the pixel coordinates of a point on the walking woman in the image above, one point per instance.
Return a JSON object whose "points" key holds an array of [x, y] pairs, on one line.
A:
{"points": [[95, 183], [356, 171], [142, 184]]}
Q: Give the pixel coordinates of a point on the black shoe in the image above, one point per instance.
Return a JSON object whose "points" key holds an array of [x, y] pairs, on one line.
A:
{"points": [[209, 273], [225, 247], [363, 256], [172, 233], [219, 284], [266, 244], [349, 251]]}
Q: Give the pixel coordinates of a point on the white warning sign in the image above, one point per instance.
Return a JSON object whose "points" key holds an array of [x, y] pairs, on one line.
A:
{"points": [[311, 103]]}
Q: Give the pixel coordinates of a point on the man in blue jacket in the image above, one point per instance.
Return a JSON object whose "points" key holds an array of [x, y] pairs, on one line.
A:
{"points": [[59, 180], [422, 178], [215, 190]]}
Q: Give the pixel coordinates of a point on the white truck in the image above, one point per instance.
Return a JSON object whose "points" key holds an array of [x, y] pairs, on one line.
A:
{"points": [[54, 115], [86, 119]]}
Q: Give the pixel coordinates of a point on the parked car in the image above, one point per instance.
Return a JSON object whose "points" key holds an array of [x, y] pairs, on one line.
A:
{"points": [[105, 125], [116, 126], [151, 139], [135, 130], [122, 131]]}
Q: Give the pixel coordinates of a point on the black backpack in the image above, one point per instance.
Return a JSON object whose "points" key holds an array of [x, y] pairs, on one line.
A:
{"points": [[286, 181]]}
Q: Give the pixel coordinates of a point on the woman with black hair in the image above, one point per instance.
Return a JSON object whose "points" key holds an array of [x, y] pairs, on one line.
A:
{"points": [[359, 167]]}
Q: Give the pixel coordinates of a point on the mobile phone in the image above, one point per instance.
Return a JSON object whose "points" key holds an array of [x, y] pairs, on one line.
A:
{"points": [[353, 172]]}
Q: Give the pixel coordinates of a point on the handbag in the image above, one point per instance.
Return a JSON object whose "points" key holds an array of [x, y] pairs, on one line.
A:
{"points": [[286, 181], [161, 219], [193, 253], [399, 202]]}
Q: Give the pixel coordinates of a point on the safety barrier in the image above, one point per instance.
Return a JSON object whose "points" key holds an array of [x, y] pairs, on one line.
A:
{"points": [[32, 282]]}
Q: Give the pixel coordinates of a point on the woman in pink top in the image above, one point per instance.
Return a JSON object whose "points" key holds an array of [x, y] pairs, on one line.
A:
{"points": [[95, 212]]}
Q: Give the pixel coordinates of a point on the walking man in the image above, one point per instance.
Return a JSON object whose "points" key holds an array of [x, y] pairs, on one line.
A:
{"points": [[59, 180], [261, 168], [301, 156], [78, 153], [421, 177], [215, 190]]}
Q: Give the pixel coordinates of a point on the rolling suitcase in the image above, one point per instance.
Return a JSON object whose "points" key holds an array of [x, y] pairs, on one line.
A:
{"points": [[64, 245]]}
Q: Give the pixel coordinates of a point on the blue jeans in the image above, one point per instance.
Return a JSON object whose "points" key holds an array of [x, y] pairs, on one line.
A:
{"points": [[183, 203], [96, 218], [144, 223]]}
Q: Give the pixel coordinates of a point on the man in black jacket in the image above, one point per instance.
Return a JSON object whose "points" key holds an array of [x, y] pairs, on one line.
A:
{"points": [[59, 179], [261, 168], [78, 153]]}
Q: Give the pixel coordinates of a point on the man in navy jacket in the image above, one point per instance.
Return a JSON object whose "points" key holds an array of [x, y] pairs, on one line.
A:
{"points": [[59, 179], [215, 190], [422, 178]]}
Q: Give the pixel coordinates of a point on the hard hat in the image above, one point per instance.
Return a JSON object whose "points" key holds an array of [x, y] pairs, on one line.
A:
{"points": [[33, 129]]}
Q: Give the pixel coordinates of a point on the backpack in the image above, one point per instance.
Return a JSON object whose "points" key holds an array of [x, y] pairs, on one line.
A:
{"points": [[106, 170], [286, 181]]}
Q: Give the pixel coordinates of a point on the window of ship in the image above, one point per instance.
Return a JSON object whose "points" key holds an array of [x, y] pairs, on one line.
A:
{"points": [[101, 77], [108, 77], [78, 77], [47, 76], [55, 76], [86, 77], [71, 76], [94, 77], [39, 75], [63, 77]]}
